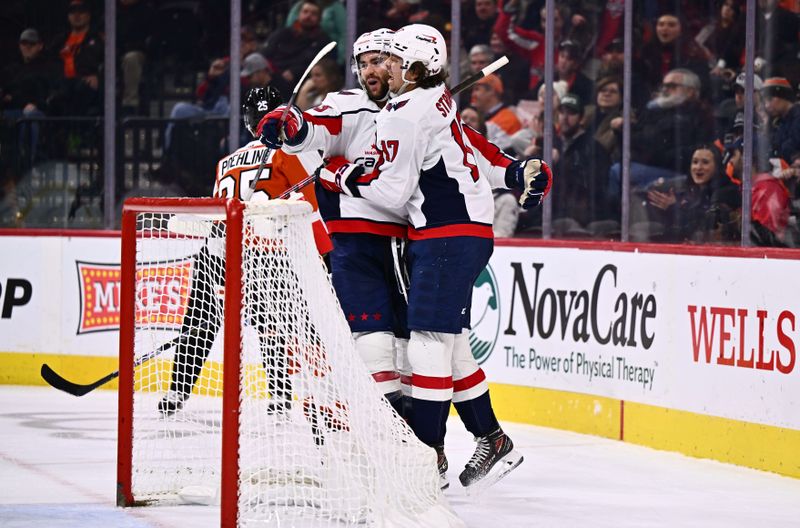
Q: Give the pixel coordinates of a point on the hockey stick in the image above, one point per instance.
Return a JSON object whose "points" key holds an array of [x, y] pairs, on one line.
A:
{"points": [[472, 79], [324, 51], [57, 381], [460, 87]]}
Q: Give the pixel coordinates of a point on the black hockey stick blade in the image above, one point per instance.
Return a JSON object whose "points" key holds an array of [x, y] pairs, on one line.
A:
{"points": [[57, 381]]}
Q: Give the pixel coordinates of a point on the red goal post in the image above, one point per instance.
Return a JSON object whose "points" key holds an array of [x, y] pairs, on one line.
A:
{"points": [[232, 211]]}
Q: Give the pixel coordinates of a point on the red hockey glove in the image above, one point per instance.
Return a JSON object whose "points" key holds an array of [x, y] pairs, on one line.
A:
{"points": [[294, 129], [339, 176]]}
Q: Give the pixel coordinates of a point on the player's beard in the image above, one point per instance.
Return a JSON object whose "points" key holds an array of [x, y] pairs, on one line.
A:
{"points": [[378, 90]]}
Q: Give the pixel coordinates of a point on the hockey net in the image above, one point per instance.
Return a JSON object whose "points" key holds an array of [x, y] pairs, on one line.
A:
{"points": [[279, 422]]}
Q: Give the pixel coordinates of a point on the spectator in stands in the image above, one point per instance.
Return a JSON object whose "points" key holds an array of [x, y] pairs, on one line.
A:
{"points": [[664, 136], [514, 74], [672, 49], [527, 43], [529, 141], [325, 77], [779, 102], [727, 110], [776, 41], [480, 56], [133, 28], [81, 53], [722, 40], [792, 171], [703, 207], [291, 49], [212, 97], [582, 171], [604, 119], [478, 23], [506, 213], [470, 116], [249, 43], [333, 22], [26, 86], [501, 122], [27, 83], [257, 72], [559, 91], [529, 138], [568, 69], [612, 62], [770, 205]]}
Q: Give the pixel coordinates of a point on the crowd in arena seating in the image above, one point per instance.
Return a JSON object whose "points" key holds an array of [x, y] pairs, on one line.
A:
{"points": [[687, 94]]}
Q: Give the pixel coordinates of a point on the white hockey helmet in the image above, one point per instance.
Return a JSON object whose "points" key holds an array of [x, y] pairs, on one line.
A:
{"points": [[420, 43], [377, 41]]}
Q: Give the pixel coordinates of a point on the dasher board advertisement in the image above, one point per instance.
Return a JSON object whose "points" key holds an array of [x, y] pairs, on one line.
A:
{"points": [[696, 333]]}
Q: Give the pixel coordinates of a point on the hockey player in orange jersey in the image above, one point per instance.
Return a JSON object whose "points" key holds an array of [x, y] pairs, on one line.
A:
{"points": [[234, 176]]}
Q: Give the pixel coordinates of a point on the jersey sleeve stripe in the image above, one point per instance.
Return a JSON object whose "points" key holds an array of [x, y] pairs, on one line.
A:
{"points": [[332, 123], [488, 150]]}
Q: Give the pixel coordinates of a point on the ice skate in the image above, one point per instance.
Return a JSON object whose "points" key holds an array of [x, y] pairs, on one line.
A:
{"points": [[172, 402], [441, 464], [493, 459], [279, 406]]}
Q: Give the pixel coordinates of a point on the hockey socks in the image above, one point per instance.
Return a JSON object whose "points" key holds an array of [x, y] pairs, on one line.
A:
{"points": [[477, 415]]}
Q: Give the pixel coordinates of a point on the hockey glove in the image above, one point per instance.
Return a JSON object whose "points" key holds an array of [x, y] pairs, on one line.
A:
{"points": [[293, 132], [339, 176], [533, 176]]}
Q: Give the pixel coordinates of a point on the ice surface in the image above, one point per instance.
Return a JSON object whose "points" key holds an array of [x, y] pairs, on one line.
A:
{"points": [[58, 469]]}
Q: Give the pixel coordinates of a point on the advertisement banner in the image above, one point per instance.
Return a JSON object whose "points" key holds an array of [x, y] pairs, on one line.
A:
{"points": [[695, 333]]}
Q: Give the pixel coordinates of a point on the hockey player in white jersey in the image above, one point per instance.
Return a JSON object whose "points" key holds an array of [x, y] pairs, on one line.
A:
{"points": [[467, 384], [343, 128], [427, 165]]}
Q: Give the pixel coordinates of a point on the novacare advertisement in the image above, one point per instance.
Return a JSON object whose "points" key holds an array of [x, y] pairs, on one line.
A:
{"points": [[694, 333]]}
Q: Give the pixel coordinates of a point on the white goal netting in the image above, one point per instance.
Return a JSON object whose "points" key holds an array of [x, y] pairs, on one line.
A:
{"points": [[318, 444]]}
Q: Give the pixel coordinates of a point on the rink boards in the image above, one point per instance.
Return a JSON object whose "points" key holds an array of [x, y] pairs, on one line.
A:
{"points": [[680, 348]]}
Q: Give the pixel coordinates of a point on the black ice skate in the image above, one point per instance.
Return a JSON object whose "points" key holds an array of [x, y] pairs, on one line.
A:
{"points": [[278, 406], [441, 464], [493, 459], [172, 402]]}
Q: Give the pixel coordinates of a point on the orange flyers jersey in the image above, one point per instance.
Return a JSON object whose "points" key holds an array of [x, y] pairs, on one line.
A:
{"points": [[236, 171]]}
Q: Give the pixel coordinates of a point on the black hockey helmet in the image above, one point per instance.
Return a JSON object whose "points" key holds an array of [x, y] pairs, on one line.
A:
{"points": [[257, 103]]}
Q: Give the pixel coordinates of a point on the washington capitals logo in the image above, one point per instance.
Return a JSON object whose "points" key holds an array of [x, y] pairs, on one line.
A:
{"points": [[396, 106]]}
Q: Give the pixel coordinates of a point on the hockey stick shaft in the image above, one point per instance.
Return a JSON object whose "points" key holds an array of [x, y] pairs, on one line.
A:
{"points": [[472, 79], [59, 382], [324, 51], [460, 87]]}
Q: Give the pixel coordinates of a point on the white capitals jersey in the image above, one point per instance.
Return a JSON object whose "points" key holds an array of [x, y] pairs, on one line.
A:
{"points": [[344, 125], [428, 165]]}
